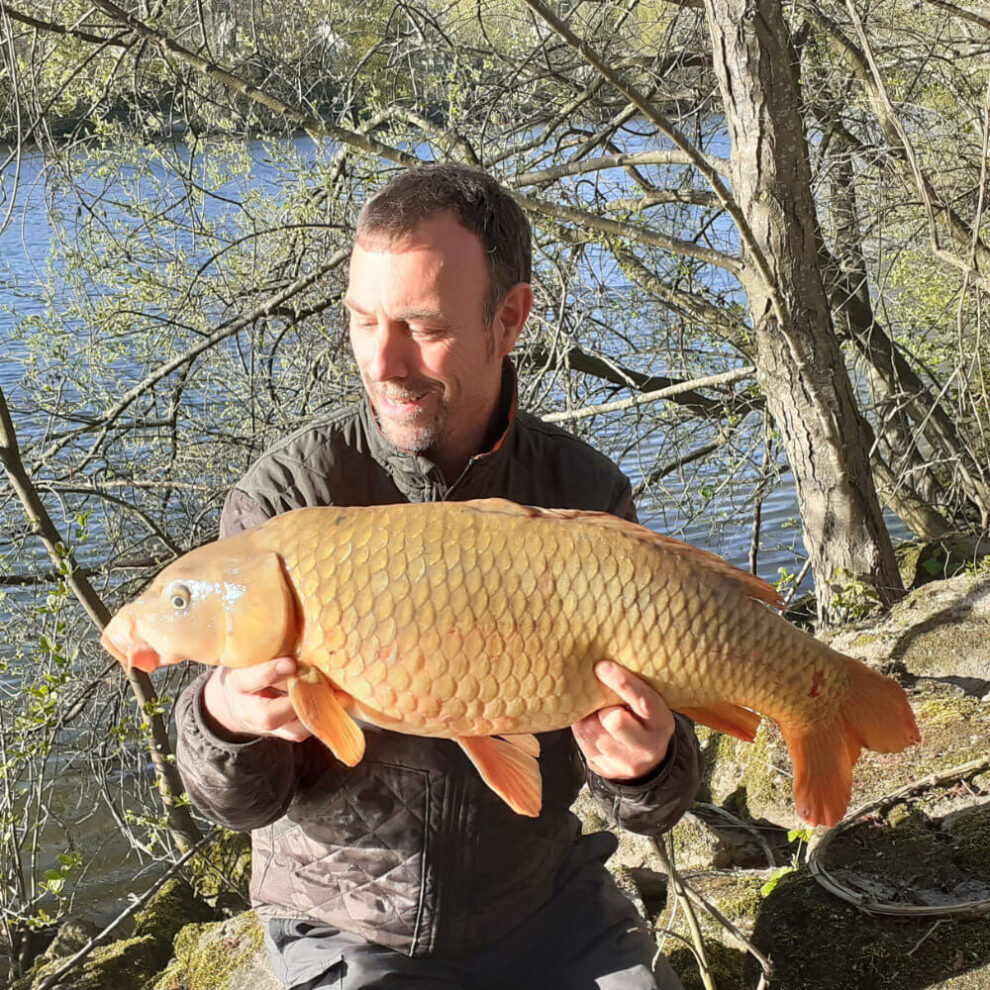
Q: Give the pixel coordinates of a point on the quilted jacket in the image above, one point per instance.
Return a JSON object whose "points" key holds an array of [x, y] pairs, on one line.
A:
{"points": [[410, 848]]}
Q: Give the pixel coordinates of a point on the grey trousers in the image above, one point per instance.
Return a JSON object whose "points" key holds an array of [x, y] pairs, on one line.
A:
{"points": [[587, 937]]}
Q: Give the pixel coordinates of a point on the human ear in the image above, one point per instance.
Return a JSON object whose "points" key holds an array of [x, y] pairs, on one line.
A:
{"points": [[511, 315]]}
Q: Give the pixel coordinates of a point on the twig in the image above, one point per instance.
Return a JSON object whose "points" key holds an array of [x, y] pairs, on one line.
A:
{"points": [[965, 909], [648, 397], [797, 584], [917, 945], [703, 902], [52, 979], [692, 919]]}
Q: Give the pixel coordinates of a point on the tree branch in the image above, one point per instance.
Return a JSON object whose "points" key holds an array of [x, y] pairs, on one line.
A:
{"points": [[181, 824], [52, 28], [312, 125], [725, 378]]}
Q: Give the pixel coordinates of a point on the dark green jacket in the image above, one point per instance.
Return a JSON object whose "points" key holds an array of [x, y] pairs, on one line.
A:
{"points": [[410, 848]]}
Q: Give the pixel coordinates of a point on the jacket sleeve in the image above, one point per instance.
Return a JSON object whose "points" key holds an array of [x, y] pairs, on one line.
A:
{"points": [[244, 784], [656, 803]]}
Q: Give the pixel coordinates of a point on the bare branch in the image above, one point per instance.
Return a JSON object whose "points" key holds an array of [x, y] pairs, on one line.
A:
{"points": [[725, 378]]}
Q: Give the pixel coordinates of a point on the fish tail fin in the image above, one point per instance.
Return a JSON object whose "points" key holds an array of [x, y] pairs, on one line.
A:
{"points": [[873, 713]]}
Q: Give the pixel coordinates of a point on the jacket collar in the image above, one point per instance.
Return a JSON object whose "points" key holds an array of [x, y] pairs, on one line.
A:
{"points": [[417, 476]]}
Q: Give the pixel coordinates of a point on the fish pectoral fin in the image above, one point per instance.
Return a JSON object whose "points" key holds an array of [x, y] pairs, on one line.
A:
{"points": [[511, 772], [725, 717], [318, 707], [526, 741]]}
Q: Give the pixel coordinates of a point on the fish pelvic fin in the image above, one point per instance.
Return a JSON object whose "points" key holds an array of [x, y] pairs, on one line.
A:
{"points": [[725, 717], [319, 709], [527, 742], [874, 713], [511, 772]]}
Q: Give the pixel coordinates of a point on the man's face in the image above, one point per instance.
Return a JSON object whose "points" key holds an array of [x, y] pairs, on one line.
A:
{"points": [[431, 367]]}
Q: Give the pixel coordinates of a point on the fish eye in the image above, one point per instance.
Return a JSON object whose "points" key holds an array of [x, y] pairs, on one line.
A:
{"points": [[179, 596]]}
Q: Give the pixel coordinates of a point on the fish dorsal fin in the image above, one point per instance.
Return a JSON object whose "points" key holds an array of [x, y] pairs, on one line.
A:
{"points": [[316, 704], [749, 584], [508, 770]]}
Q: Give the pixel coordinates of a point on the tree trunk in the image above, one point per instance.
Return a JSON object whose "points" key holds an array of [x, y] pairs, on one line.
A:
{"points": [[799, 363]]}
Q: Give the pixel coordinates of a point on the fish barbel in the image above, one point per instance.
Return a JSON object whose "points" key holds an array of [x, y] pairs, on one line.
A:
{"points": [[483, 621]]}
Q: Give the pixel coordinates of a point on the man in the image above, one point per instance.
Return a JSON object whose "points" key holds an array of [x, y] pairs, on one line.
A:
{"points": [[407, 870]]}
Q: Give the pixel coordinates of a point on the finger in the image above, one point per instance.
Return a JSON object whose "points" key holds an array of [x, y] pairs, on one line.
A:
{"points": [[250, 680], [266, 715], [294, 731], [621, 729], [641, 699], [588, 732]]}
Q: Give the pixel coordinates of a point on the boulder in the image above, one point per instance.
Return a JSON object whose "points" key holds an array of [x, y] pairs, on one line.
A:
{"points": [[223, 955], [940, 631], [127, 962]]}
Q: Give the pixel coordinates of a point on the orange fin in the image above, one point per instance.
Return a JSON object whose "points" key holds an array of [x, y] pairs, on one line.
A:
{"points": [[508, 770], [318, 708], [526, 741], [725, 717], [873, 713]]}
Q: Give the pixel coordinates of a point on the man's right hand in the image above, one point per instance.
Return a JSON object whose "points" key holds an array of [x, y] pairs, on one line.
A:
{"points": [[251, 701]]}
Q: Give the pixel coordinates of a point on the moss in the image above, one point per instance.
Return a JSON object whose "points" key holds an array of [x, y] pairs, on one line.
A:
{"points": [[126, 963], [865, 639], [971, 832], [173, 907], [132, 962], [222, 872], [725, 964], [208, 956], [737, 895]]}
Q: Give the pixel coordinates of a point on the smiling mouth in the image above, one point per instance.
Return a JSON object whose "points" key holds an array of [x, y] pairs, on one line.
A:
{"points": [[401, 404]]}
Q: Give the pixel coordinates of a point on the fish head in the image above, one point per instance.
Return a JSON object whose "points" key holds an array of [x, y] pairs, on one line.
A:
{"points": [[224, 603]]}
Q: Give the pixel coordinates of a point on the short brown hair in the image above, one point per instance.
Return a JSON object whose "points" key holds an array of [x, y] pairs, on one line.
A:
{"points": [[482, 206]]}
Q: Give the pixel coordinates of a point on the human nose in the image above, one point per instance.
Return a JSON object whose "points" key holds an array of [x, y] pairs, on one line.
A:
{"points": [[387, 352]]}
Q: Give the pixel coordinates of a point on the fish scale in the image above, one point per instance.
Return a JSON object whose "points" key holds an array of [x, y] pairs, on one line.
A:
{"points": [[478, 619]]}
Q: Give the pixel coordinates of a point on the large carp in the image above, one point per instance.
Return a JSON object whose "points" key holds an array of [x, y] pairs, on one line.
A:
{"points": [[483, 621]]}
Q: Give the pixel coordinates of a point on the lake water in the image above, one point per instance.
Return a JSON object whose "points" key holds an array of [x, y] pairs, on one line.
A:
{"points": [[25, 254]]}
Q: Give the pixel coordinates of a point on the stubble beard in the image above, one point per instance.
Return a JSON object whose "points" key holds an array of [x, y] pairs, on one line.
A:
{"points": [[416, 433]]}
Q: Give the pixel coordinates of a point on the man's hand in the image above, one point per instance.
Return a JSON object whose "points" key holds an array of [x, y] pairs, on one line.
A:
{"points": [[623, 742], [251, 701]]}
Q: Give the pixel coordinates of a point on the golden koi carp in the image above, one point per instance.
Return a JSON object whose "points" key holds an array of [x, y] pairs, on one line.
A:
{"points": [[482, 622]]}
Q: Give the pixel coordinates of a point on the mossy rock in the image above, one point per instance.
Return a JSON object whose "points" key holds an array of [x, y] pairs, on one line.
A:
{"points": [[170, 910], [221, 873], [129, 962], [224, 955], [941, 631], [757, 778]]}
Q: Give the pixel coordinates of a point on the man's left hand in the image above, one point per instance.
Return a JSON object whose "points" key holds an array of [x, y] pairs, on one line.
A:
{"points": [[626, 741]]}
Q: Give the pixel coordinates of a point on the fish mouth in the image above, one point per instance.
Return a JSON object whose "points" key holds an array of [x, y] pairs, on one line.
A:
{"points": [[121, 640]]}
